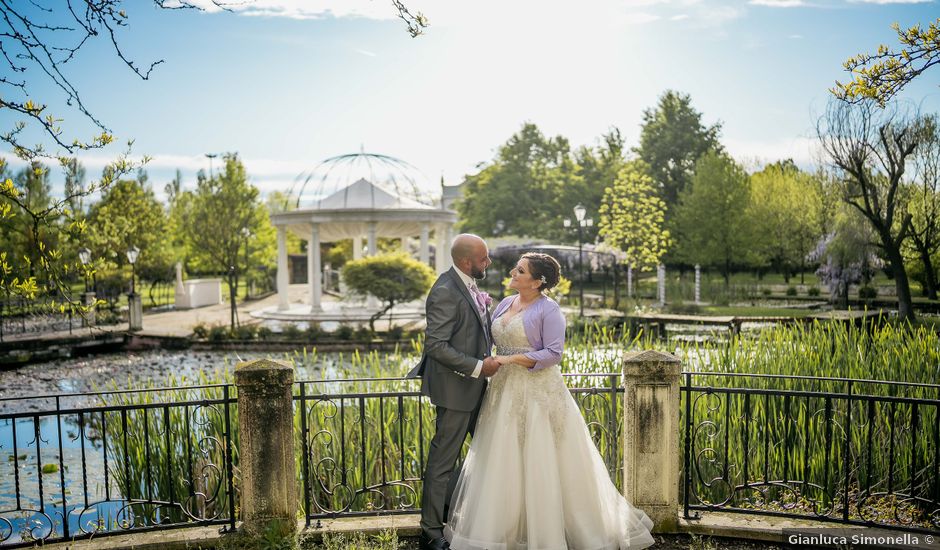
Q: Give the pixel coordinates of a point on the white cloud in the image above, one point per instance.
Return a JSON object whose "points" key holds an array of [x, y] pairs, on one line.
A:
{"points": [[308, 9], [679, 17], [643, 3], [890, 1], [755, 154], [778, 3], [640, 18], [365, 52], [796, 36]]}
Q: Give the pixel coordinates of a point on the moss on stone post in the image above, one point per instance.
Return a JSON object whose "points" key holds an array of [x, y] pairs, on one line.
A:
{"points": [[266, 453], [651, 442]]}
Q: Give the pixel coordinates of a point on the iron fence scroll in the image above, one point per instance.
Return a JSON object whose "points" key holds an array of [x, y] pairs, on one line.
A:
{"points": [[116, 462], [840, 450]]}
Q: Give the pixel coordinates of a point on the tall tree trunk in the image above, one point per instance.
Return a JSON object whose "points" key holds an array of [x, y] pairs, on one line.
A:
{"points": [[930, 274], [901, 284], [232, 288]]}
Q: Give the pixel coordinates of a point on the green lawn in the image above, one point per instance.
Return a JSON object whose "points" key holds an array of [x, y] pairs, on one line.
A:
{"points": [[163, 295], [757, 311]]}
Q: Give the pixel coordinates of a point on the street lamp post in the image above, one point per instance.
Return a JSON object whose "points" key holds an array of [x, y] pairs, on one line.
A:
{"points": [[211, 156], [132, 254], [84, 255], [135, 312], [580, 223]]}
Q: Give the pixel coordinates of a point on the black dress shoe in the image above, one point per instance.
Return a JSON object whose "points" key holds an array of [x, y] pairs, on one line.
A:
{"points": [[426, 543]]}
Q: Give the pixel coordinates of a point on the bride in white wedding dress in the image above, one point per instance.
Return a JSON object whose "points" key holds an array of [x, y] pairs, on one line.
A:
{"points": [[533, 478]]}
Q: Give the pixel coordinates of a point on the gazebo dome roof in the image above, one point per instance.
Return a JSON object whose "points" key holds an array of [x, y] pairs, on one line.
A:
{"points": [[364, 180]]}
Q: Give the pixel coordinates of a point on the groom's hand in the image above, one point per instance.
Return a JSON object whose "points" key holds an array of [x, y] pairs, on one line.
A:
{"points": [[490, 366]]}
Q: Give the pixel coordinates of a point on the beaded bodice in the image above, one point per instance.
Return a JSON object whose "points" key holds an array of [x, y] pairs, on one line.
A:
{"points": [[509, 336]]}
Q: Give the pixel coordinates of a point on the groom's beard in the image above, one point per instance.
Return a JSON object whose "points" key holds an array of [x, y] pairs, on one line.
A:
{"points": [[478, 274]]}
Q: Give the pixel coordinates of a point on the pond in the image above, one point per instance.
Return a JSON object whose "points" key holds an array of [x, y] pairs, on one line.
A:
{"points": [[30, 474]]}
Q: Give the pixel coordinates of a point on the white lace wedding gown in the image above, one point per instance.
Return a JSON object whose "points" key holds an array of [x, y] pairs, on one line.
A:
{"points": [[533, 478]]}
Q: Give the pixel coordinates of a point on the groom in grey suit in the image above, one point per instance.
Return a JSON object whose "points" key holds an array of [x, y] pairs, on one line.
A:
{"points": [[453, 372]]}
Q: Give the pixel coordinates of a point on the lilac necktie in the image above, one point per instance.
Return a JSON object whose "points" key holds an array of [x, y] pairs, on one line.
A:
{"points": [[479, 299]]}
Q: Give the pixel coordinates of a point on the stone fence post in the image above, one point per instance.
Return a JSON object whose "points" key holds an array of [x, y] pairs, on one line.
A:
{"points": [[266, 444], [651, 442]]}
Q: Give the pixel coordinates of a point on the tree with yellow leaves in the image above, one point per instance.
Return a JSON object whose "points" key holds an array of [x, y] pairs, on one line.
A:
{"points": [[880, 76]]}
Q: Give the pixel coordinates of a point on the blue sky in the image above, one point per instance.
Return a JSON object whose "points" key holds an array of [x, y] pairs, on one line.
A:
{"points": [[288, 83]]}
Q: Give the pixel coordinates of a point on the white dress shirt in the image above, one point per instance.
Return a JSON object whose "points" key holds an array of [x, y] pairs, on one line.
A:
{"points": [[469, 281]]}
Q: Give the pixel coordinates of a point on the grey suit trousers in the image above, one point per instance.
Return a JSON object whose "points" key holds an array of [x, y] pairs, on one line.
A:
{"points": [[440, 475]]}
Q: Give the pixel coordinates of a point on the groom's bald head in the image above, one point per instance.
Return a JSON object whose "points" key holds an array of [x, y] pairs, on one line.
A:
{"points": [[470, 255]]}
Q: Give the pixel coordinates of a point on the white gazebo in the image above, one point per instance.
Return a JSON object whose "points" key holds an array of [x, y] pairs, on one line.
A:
{"points": [[358, 197]]}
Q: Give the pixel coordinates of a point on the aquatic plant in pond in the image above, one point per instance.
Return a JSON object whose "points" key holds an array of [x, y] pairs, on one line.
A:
{"points": [[367, 429]]}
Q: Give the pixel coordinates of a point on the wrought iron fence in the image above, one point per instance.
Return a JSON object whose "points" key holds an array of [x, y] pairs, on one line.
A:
{"points": [[19, 316], [829, 449], [22, 316], [94, 464], [363, 452]]}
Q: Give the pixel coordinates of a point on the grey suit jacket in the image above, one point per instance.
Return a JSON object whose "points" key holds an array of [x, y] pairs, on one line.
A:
{"points": [[455, 340]]}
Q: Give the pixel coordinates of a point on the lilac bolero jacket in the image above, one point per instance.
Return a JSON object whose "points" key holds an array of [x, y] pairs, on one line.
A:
{"points": [[544, 328]]}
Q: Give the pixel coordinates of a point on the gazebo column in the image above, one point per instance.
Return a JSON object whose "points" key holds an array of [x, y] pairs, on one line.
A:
{"points": [[357, 247], [314, 269], [424, 252], [450, 238], [283, 277], [443, 249], [373, 245]]}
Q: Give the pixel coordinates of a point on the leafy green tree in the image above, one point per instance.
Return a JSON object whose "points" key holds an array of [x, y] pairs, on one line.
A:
{"points": [[75, 186], [518, 193], [786, 213], [260, 249], [712, 217], [672, 139], [129, 215], [280, 201], [632, 217], [882, 75], [598, 168], [845, 254], [870, 149], [392, 278], [25, 237], [924, 206], [225, 226], [37, 47], [174, 187]]}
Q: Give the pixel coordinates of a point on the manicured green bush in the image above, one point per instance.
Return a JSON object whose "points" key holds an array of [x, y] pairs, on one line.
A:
{"points": [[291, 332], [867, 292], [201, 331], [392, 278]]}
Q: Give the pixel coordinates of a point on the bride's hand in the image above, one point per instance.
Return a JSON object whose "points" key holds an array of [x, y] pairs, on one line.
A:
{"points": [[502, 359]]}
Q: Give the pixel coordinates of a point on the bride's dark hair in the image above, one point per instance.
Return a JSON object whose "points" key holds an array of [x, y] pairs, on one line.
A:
{"points": [[543, 265]]}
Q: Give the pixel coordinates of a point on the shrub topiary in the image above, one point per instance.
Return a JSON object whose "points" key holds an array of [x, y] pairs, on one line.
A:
{"points": [[201, 331], [392, 278], [867, 292], [291, 332]]}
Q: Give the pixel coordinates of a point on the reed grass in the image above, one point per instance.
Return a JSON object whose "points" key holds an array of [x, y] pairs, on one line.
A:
{"points": [[367, 439]]}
